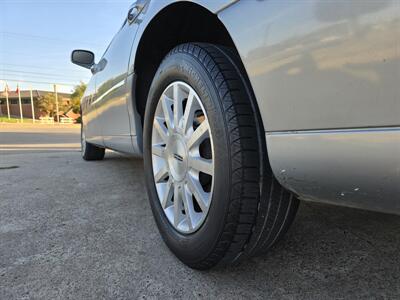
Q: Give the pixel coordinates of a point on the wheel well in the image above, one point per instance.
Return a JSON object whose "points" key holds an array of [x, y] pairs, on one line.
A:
{"points": [[176, 24]]}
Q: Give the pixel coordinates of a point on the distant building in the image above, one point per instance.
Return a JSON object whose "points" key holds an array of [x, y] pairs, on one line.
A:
{"points": [[63, 98]]}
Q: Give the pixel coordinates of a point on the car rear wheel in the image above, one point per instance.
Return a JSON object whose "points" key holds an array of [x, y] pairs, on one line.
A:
{"points": [[90, 151], [211, 190]]}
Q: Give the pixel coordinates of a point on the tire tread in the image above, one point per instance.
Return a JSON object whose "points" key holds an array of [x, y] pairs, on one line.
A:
{"points": [[254, 221]]}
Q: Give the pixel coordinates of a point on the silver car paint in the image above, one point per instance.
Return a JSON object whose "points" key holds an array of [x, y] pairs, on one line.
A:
{"points": [[359, 168], [112, 92], [117, 121], [321, 64], [317, 69], [90, 122]]}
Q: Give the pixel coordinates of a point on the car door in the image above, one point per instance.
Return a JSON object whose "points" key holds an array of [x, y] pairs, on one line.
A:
{"points": [[90, 120], [326, 78], [113, 89], [320, 64]]}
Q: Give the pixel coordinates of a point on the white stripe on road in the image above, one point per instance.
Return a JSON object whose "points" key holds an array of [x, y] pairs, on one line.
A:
{"points": [[38, 146], [40, 149]]}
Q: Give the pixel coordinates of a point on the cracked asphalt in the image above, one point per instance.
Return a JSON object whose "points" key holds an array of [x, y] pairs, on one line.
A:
{"points": [[71, 229]]}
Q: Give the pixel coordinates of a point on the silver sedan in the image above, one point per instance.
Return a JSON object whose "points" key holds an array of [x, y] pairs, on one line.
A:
{"points": [[242, 108]]}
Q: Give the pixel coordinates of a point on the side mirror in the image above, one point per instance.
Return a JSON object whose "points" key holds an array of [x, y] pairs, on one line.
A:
{"points": [[83, 58]]}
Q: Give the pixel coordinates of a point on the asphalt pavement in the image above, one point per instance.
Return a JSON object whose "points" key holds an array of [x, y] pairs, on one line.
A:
{"points": [[71, 229]]}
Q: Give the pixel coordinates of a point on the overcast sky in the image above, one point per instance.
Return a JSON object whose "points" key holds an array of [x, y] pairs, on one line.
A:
{"points": [[37, 37]]}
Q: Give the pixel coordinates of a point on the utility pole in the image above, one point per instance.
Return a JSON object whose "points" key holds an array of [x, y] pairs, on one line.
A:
{"points": [[8, 104], [33, 109], [55, 92], [20, 104]]}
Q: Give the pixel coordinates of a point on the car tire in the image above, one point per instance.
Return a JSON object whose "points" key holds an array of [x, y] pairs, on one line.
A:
{"points": [[249, 211], [90, 151]]}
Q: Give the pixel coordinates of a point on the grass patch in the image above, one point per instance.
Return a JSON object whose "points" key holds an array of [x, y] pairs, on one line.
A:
{"points": [[14, 120]]}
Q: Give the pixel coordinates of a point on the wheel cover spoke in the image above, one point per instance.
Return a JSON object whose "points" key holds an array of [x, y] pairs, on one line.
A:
{"points": [[168, 194], [182, 159], [199, 134], [178, 107], [189, 112], [167, 110], [202, 165], [177, 205], [161, 174], [188, 206], [158, 150], [201, 197], [159, 126]]}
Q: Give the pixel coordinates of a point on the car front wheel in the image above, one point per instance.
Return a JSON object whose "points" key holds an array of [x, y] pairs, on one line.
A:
{"points": [[211, 190]]}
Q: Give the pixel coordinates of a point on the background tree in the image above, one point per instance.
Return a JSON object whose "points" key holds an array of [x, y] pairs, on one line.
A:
{"points": [[47, 103], [76, 96]]}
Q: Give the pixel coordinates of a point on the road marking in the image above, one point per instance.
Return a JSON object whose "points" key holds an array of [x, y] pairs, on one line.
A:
{"points": [[40, 149], [24, 146]]}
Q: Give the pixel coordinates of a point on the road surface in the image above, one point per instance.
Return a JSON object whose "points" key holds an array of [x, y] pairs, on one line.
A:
{"points": [[71, 229]]}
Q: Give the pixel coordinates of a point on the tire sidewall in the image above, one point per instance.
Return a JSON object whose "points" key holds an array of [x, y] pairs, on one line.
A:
{"points": [[195, 247]]}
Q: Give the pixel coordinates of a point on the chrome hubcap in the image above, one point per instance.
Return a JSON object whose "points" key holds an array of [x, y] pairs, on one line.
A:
{"points": [[176, 154], [182, 157]]}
